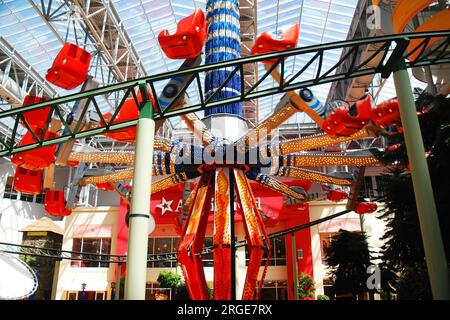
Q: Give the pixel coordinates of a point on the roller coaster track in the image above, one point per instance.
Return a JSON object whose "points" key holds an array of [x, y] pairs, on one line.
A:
{"points": [[437, 54]]}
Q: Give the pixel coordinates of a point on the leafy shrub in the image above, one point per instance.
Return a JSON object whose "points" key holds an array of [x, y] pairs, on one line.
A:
{"points": [[167, 279], [305, 286]]}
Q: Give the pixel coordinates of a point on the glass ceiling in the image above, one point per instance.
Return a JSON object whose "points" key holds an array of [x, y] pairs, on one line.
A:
{"points": [[33, 38], [320, 21]]}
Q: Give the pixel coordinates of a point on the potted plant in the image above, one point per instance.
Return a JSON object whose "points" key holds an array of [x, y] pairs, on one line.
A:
{"points": [[305, 287], [167, 279]]}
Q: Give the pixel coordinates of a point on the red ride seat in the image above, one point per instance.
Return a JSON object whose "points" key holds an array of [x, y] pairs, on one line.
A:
{"points": [[393, 147], [129, 111], [366, 207], [386, 114], [105, 186], [73, 163], [341, 123], [35, 118], [188, 41], [28, 181], [55, 203], [70, 67], [337, 195], [37, 158], [267, 43]]}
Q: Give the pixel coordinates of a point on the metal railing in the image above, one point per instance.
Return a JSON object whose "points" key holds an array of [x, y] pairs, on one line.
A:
{"points": [[59, 254]]}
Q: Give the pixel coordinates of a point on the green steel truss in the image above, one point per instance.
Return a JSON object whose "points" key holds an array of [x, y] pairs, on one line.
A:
{"points": [[437, 54]]}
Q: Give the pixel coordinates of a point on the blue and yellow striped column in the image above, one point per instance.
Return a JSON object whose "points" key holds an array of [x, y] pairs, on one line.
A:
{"points": [[223, 43]]}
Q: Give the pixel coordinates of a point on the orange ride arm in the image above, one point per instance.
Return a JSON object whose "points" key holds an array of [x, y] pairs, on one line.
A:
{"points": [[405, 10], [440, 21]]}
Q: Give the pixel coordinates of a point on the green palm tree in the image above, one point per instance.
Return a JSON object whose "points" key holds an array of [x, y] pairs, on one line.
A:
{"points": [[348, 258], [402, 254]]}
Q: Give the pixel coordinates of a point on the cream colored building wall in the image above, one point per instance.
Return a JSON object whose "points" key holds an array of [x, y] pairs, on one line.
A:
{"points": [[373, 227], [97, 279], [16, 214]]}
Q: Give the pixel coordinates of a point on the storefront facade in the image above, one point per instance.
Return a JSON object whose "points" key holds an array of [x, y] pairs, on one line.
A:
{"points": [[103, 230]]}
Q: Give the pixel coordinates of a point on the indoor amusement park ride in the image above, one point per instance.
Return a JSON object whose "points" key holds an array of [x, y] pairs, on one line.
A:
{"points": [[224, 162]]}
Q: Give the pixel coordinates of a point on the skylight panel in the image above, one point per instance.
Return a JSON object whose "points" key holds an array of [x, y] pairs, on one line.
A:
{"points": [[8, 20], [342, 10], [321, 21], [315, 12], [17, 6]]}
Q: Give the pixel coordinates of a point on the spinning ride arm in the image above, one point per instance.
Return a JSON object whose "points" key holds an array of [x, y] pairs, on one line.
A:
{"points": [[296, 100], [322, 140], [191, 242]]}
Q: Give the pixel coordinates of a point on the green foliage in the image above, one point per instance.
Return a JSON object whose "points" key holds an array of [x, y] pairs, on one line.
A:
{"points": [[404, 244], [403, 250], [413, 284], [323, 297], [122, 289], [31, 261], [348, 257], [167, 279], [182, 293], [305, 286], [385, 295]]}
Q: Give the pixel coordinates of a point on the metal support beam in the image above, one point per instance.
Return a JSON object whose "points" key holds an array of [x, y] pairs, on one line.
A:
{"points": [[294, 266], [248, 23], [103, 22], [117, 291], [141, 222], [98, 24], [233, 237], [55, 279], [21, 74], [426, 207]]}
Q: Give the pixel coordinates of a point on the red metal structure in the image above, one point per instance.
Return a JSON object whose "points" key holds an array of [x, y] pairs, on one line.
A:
{"points": [[37, 158], [55, 203], [191, 242], [340, 123], [70, 67], [254, 232], [28, 181], [266, 42], [216, 182], [188, 41]]}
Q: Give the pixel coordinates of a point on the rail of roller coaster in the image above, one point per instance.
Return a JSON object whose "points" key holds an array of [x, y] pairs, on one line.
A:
{"points": [[437, 54]]}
